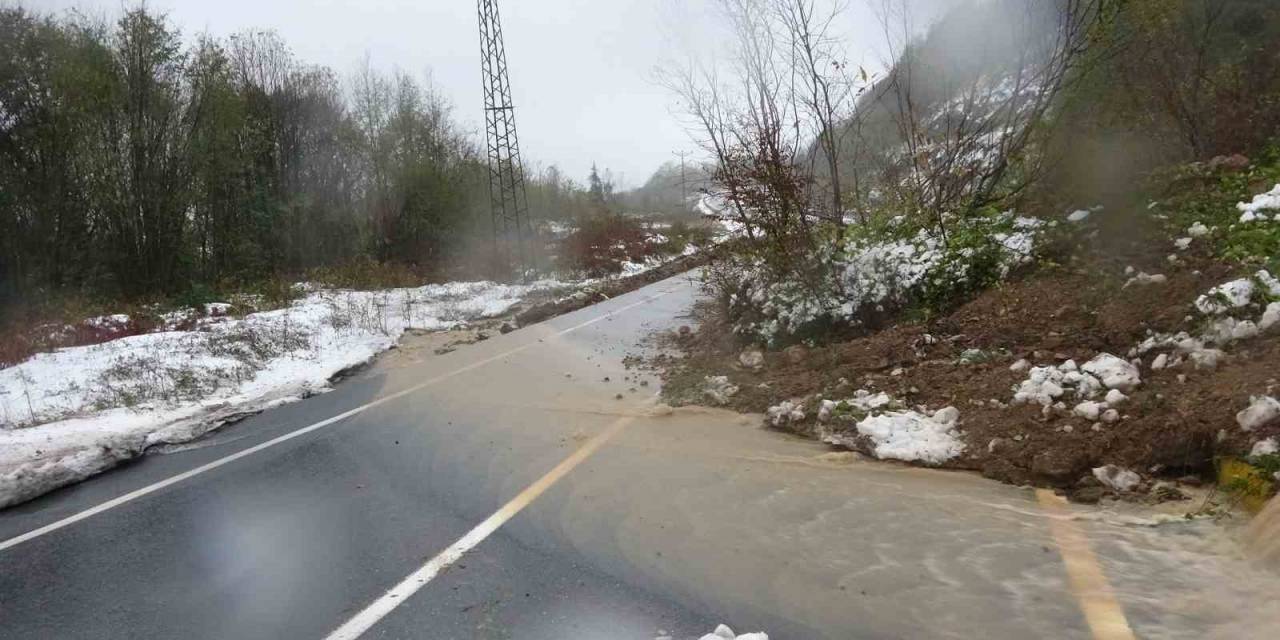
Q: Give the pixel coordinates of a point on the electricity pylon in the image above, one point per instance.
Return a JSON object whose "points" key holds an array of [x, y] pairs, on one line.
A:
{"points": [[509, 205]]}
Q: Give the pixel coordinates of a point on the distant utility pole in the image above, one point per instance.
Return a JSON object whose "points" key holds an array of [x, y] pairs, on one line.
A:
{"points": [[508, 202], [684, 196]]}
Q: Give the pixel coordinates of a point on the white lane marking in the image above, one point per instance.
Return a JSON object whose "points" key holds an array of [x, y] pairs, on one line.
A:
{"points": [[395, 596], [1102, 611], [152, 488]]}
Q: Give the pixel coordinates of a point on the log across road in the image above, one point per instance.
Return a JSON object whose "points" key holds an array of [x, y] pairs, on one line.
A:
{"points": [[504, 491]]}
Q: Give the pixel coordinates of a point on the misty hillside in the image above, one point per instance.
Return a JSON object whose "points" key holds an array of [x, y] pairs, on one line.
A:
{"points": [[1132, 104]]}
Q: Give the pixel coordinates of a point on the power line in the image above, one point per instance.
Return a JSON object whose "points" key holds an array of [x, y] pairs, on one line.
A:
{"points": [[684, 196]]}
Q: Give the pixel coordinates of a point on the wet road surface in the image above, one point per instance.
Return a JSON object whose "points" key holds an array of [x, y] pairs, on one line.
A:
{"points": [[663, 525]]}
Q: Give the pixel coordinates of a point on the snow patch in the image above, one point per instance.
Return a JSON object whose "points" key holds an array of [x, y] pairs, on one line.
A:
{"points": [[1262, 202], [912, 436], [1270, 317], [1043, 386], [1222, 304], [862, 400], [1264, 448], [751, 359], [723, 632], [718, 389], [1206, 358], [1089, 410], [632, 268], [1116, 478], [1269, 281], [1261, 411], [784, 413], [1144, 278], [1226, 296], [71, 413], [217, 308], [109, 321], [1115, 397], [1224, 330], [1114, 372], [1046, 385]]}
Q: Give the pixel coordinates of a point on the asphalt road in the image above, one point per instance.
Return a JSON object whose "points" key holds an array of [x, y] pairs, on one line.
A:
{"points": [[610, 520]]}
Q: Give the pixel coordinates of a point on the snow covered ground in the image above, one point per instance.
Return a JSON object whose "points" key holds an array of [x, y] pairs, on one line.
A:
{"points": [[74, 412], [912, 436], [77, 411], [876, 273], [894, 433], [1262, 204], [634, 268]]}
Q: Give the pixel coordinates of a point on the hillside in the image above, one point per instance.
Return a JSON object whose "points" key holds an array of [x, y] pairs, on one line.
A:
{"points": [[1042, 273]]}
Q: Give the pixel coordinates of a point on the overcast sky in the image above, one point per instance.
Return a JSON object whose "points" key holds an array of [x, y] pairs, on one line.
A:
{"points": [[581, 70]]}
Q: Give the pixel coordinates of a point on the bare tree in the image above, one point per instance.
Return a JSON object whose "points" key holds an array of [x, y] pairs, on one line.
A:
{"points": [[758, 119], [704, 100], [1177, 77], [826, 89]]}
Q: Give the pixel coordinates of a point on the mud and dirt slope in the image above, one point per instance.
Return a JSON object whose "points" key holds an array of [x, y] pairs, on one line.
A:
{"points": [[1172, 426]]}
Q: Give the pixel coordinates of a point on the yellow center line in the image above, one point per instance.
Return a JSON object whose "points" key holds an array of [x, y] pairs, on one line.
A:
{"points": [[1102, 611]]}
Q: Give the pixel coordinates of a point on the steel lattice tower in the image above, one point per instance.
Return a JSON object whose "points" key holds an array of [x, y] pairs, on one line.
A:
{"points": [[512, 230]]}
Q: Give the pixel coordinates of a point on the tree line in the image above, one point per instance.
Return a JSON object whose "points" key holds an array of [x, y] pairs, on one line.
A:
{"points": [[134, 163]]}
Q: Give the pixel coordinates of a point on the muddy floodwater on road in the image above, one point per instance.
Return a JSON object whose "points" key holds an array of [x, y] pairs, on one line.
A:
{"points": [[638, 521]]}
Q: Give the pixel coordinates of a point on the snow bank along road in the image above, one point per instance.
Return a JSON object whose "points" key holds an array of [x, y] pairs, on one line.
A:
{"points": [[503, 491]]}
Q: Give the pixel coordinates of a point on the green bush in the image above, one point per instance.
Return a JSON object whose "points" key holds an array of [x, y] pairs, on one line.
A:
{"points": [[973, 260], [1201, 193], [863, 275]]}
